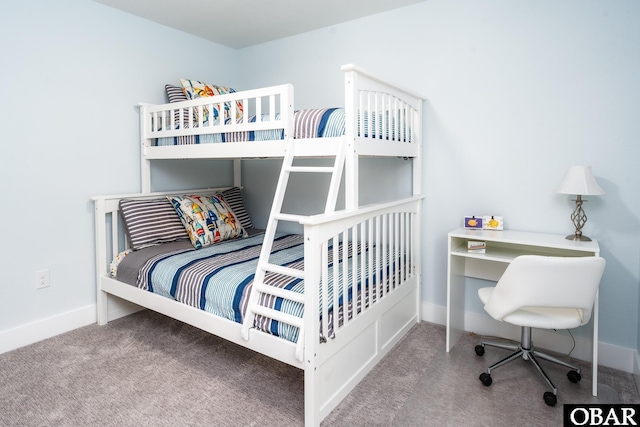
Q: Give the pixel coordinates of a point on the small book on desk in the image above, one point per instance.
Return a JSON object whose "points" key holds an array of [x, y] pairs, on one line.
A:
{"points": [[476, 247]]}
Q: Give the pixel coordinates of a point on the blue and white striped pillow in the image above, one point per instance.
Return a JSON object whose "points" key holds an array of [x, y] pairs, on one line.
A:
{"points": [[233, 197], [151, 222]]}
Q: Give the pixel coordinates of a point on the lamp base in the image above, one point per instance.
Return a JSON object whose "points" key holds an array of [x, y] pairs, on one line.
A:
{"points": [[578, 238], [579, 219]]}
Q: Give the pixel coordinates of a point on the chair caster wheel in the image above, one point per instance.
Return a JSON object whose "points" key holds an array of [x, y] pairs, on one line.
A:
{"points": [[480, 350], [574, 376], [550, 398], [486, 379]]}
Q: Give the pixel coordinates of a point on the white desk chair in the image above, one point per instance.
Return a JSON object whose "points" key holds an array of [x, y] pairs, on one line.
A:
{"points": [[542, 292]]}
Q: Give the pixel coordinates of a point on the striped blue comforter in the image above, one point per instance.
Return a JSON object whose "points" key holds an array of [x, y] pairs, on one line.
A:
{"points": [[218, 279]]}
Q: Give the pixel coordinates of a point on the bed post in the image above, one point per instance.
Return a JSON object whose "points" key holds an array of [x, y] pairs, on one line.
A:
{"points": [[145, 164], [417, 191], [237, 173], [351, 159], [416, 138], [145, 169], [311, 315], [101, 256]]}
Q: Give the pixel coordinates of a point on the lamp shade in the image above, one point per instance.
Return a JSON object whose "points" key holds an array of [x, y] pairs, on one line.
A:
{"points": [[580, 181]]}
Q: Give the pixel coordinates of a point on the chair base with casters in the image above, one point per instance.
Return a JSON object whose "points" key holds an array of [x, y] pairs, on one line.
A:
{"points": [[526, 350]]}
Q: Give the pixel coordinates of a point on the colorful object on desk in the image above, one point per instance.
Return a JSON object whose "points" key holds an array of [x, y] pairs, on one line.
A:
{"points": [[473, 222], [492, 222]]}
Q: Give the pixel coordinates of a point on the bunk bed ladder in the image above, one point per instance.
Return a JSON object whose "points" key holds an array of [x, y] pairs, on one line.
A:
{"points": [[264, 266]]}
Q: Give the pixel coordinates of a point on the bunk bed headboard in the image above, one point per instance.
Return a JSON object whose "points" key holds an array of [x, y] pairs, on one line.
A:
{"points": [[109, 226]]}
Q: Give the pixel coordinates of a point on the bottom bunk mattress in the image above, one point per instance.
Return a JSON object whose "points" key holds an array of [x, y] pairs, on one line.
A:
{"points": [[218, 278]]}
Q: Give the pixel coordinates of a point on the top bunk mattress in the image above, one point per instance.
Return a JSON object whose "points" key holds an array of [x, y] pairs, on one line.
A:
{"points": [[310, 123]]}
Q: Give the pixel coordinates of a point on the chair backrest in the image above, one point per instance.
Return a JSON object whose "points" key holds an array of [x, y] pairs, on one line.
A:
{"points": [[544, 281]]}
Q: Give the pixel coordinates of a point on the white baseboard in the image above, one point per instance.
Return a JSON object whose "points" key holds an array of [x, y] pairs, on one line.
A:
{"points": [[46, 328], [612, 356], [61, 323], [622, 358]]}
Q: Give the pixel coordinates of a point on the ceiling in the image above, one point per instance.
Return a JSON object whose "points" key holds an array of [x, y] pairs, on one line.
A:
{"points": [[242, 23]]}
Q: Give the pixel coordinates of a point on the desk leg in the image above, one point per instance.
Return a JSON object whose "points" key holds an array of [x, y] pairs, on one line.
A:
{"points": [[455, 301], [594, 360]]}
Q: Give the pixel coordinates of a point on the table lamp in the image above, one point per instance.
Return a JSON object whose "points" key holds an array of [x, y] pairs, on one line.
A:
{"points": [[579, 181]]}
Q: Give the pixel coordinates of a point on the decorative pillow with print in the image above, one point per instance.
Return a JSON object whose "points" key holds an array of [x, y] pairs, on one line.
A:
{"points": [[195, 89], [208, 219]]}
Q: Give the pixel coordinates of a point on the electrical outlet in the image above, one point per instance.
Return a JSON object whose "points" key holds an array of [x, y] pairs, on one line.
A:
{"points": [[42, 278]]}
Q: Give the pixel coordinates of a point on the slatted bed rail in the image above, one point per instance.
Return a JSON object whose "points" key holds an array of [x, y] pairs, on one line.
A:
{"points": [[377, 294], [368, 256], [270, 108], [381, 243], [382, 251], [383, 119]]}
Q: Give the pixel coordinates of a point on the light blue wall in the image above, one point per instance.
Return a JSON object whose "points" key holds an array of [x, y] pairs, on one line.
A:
{"points": [[516, 93], [72, 72]]}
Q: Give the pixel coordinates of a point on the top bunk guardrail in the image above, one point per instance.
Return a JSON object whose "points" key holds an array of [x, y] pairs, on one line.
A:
{"points": [[270, 107], [380, 118]]}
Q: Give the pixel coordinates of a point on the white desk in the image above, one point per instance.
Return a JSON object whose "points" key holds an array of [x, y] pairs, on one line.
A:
{"points": [[502, 247]]}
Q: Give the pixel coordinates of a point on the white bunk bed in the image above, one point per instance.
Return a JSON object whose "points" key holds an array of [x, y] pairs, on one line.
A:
{"points": [[381, 119]]}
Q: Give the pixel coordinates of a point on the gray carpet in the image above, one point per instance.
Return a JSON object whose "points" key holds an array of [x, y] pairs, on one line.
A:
{"points": [[149, 370]]}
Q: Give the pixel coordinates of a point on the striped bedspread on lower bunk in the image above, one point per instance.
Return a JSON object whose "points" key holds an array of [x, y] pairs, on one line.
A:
{"points": [[218, 279]]}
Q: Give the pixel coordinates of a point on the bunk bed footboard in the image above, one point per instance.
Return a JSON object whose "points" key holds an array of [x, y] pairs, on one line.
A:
{"points": [[381, 285]]}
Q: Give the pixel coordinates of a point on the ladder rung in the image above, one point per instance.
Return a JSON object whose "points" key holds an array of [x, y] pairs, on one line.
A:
{"points": [[287, 271], [280, 292], [278, 315], [287, 217], [324, 169]]}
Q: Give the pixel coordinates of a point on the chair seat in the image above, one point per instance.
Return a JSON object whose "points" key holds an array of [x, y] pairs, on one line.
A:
{"points": [[538, 317], [542, 292]]}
